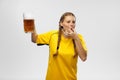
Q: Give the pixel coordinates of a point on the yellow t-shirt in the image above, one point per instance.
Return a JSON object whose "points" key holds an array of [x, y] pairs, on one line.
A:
{"points": [[64, 65]]}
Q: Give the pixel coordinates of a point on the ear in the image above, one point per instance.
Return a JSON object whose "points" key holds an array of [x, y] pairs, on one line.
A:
{"points": [[61, 24]]}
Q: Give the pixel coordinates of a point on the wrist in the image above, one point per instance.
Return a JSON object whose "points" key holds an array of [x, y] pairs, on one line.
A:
{"points": [[76, 37]]}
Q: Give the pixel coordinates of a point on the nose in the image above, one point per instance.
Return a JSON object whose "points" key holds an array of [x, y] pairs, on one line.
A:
{"points": [[72, 25]]}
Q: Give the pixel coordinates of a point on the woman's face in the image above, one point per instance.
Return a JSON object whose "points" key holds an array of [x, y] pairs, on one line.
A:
{"points": [[68, 23]]}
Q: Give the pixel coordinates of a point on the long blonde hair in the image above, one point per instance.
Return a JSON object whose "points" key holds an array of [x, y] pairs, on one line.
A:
{"points": [[60, 30]]}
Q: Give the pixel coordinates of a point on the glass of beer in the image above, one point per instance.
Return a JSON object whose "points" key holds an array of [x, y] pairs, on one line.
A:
{"points": [[28, 21]]}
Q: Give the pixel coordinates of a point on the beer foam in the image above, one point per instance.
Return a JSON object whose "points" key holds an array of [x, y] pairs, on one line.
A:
{"points": [[28, 16]]}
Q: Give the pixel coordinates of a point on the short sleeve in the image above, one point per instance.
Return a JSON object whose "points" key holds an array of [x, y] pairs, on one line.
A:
{"points": [[82, 42], [44, 39]]}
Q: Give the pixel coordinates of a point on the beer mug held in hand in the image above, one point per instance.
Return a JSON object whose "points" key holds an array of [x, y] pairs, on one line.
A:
{"points": [[28, 21]]}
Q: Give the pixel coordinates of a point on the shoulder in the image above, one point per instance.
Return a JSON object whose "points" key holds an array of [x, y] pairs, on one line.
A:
{"points": [[80, 35], [53, 31], [49, 33]]}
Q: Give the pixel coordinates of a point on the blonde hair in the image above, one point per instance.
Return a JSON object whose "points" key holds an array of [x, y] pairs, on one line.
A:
{"points": [[60, 30]]}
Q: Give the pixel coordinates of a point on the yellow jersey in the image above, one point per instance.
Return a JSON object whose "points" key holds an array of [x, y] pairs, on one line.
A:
{"points": [[64, 65]]}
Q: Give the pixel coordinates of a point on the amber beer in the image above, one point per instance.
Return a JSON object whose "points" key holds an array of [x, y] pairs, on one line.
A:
{"points": [[28, 22]]}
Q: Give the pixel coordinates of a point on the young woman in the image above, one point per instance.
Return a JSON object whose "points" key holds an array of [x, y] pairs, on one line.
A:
{"points": [[65, 45]]}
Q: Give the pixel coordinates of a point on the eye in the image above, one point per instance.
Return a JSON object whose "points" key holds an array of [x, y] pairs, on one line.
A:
{"points": [[73, 21], [68, 21]]}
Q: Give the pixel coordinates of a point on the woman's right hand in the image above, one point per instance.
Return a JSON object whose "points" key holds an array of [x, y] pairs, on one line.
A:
{"points": [[34, 36]]}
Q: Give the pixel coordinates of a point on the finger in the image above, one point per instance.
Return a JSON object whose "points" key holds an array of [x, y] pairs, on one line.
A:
{"points": [[73, 29]]}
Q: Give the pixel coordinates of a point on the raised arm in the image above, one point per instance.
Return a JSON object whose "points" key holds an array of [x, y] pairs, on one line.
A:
{"points": [[82, 53], [34, 36]]}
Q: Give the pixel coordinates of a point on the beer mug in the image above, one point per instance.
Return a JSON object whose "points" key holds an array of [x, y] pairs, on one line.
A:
{"points": [[28, 21]]}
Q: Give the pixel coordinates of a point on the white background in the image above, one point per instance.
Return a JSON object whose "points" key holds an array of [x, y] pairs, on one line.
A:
{"points": [[97, 20]]}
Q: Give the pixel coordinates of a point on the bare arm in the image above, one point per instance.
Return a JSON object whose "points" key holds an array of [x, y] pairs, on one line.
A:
{"points": [[34, 36], [79, 48]]}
